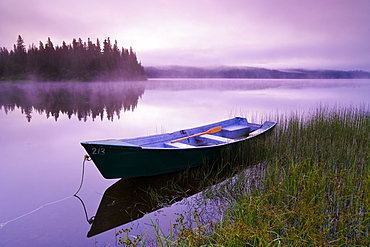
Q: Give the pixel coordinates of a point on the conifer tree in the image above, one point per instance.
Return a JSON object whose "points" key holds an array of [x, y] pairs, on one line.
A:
{"points": [[79, 61]]}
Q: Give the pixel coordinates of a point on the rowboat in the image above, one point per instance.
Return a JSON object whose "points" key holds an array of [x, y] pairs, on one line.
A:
{"points": [[170, 152]]}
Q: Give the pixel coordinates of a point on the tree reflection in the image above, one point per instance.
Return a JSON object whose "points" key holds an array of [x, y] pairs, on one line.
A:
{"points": [[84, 100]]}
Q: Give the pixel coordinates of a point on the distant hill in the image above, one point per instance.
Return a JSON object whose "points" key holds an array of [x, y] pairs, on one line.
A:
{"points": [[250, 72]]}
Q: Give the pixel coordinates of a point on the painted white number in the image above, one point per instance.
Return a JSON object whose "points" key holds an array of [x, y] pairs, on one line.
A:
{"points": [[100, 151]]}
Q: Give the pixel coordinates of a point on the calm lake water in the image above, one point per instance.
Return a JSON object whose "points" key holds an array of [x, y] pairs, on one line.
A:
{"points": [[42, 125]]}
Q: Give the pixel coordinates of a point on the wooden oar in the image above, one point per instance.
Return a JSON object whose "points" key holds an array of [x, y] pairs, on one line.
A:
{"points": [[210, 131]]}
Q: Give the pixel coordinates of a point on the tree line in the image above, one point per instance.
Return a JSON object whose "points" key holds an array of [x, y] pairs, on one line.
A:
{"points": [[251, 72], [78, 61]]}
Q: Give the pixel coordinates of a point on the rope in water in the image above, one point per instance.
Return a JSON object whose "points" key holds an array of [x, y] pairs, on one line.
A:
{"points": [[91, 220], [33, 211], [86, 157]]}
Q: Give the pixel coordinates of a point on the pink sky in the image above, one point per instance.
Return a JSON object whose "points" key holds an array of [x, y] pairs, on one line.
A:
{"points": [[316, 34]]}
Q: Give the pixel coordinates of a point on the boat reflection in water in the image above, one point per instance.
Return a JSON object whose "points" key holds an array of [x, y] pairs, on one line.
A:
{"points": [[131, 198]]}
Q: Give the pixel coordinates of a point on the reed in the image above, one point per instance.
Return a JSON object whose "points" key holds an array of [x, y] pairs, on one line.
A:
{"points": [[311, 187], [314, 188]]}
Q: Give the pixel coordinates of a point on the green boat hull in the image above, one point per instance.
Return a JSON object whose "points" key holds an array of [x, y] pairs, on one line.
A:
{"points": [[120, 159], [123, 162]]}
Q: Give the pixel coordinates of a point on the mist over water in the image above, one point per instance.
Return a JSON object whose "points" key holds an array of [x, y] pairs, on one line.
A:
{"points": [[96, 99], [42, 125]]}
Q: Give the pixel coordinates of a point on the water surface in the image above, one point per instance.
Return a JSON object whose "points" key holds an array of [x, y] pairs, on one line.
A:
{"points": [[42, 124]]}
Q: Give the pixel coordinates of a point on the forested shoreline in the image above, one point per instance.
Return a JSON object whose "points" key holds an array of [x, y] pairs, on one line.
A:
{"points": [[250, 72], [78, 61]]}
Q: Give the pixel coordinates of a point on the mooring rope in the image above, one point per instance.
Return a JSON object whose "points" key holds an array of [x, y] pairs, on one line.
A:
{"points": [[33, 211], [86, 157], [91, 220]]}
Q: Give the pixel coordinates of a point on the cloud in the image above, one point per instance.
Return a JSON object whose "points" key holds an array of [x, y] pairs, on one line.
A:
{"points": [[203, 31]]}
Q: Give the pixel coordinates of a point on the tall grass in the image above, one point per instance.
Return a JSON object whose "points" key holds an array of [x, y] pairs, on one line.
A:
{"points": [[315, 186], [312, 188]]}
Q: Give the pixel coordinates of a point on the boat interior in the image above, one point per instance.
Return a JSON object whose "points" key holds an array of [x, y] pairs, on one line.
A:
{"points": [[224, 132]]}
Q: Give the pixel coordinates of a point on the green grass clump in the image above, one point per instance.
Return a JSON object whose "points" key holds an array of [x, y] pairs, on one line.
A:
{"points": [[307, 204], [315, 186], [312, 189]]}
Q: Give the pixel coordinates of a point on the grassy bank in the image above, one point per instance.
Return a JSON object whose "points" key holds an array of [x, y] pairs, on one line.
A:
{"points": [[312, 189]]}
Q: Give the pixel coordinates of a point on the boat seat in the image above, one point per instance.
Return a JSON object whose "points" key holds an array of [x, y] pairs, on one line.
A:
{"points": [[234, 131], [235, 127], [214, 139], [177, 145]]}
